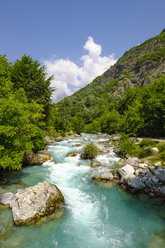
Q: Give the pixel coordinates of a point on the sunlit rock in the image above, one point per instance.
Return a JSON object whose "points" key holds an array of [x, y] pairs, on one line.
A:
{"points": [[72, 154], [126, 171], [30, 204], [106, 176]]}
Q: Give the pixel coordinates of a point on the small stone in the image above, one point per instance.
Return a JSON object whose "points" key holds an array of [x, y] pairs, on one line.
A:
{"points": [[72, 154], [154, 149], [157, 164], [142, 165], [95, 164]]}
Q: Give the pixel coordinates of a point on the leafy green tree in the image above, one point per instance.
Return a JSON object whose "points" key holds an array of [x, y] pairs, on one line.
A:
{"points": [[28, 74], [110, 122], [77, 124], [20, 121]]}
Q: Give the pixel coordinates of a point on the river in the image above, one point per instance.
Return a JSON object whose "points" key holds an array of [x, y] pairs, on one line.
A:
{"points": [[95, 215]]}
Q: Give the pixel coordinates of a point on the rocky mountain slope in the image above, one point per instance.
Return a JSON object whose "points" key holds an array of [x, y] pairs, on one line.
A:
{"points": [[139, 67]]}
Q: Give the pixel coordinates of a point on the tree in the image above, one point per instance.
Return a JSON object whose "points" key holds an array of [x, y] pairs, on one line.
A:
{"points": [[20, 121], [28, 74], [77, 124]]}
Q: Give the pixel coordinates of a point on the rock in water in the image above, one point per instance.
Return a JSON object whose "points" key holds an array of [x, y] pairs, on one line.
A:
{"points": [[106, 176], [34, 202], [32, 158], [72, 154], [95, 164]]}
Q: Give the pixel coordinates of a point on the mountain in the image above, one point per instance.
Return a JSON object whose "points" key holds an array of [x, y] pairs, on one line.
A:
{"points": [[137, 68]]}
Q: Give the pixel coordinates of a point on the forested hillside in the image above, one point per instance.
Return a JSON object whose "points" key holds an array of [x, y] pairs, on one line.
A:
{"points": [[129, 97]]}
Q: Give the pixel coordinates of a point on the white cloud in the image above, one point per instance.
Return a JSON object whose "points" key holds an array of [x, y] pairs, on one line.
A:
{"points": [[68, 77]]}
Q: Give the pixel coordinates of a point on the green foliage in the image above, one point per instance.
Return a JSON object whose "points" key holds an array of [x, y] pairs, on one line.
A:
{"points": [[77, 124], [110, 122], [127, 146], [145, 152], [21, 118], [89, 151]]}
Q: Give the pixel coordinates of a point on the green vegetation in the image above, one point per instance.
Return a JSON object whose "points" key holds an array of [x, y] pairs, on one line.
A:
{"points": [[127, 146], [23, 109], [89, 151], [132, 147]]}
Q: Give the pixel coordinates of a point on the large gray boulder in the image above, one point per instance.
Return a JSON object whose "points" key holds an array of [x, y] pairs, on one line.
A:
{"points": [[135, 184], [30, 204]]}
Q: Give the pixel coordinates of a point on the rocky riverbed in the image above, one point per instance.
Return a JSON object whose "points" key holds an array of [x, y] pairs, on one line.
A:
{"points": [[94, 214]]}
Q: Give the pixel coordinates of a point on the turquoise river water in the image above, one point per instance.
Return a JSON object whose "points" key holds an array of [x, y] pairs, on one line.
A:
{"points": [[94, 215]]}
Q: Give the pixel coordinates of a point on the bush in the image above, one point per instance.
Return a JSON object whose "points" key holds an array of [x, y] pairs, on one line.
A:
{"points": [[127, 146], [89, 151], [145, 153]]}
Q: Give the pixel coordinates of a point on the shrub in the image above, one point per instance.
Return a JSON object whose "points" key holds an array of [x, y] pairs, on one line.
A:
{"points": [[89, 151], [128, 146], [145, 152]]}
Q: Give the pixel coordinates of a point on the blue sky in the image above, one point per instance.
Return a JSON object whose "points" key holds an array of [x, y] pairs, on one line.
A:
{"points": [[55, 32]]}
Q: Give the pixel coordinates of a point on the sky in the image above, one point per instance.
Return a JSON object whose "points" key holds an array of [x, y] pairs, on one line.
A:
{"points": [[76, 40]]}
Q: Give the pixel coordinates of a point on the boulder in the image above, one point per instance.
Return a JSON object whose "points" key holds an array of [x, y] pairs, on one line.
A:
{"points": [[6, 198], [95, 164], [32, 158], [154, 149], [160, 174], [30, 204], [106, 176], [72, 154], [126, 172], [132, 161], [135, 184]]}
